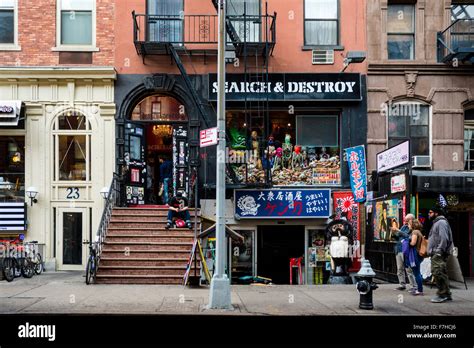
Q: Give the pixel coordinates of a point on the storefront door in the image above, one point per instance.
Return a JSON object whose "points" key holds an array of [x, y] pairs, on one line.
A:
{"points": [[135, 160], [72, 230], [242, 256]]}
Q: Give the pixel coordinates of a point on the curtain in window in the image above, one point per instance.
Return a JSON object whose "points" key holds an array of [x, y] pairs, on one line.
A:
{"points": [[169, 26], [76, 27], [321, 32]]}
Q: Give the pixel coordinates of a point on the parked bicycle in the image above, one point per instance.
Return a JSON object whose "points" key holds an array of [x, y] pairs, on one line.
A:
{"points": [[92, 263], [17, 262], [35, 256]]}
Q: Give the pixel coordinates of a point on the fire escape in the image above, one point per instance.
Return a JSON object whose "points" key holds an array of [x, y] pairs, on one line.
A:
{"points": [[456, 43], [251, 38]]}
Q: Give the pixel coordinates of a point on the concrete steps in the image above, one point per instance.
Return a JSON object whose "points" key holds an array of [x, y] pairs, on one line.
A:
{"points": [[139, 249]]}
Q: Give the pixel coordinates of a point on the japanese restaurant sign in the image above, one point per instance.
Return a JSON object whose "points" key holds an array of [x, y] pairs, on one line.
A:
{"points": [[357, 171], [330, 86], [283, 204]]}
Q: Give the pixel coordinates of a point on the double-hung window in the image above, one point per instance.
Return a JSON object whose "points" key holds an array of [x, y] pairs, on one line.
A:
{"points": [[410, 121], [76, 23], [469, 140], [8, 24], [401, 32], [321, 22]]}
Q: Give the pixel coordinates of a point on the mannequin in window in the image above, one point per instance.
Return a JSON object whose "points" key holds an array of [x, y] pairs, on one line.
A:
{"points": [[270, 152], [254, 146], [287, 148]]}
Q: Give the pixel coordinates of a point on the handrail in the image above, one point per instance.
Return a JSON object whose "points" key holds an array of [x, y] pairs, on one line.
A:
{"points": [[455, 22], [111, 201]]}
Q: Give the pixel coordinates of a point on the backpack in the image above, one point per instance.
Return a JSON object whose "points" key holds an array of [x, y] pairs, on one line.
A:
{"points": [[423, 250]]}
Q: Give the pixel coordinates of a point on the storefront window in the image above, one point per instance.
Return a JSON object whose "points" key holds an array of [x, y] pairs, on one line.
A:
{"points": [[159, 108], [12, 169], [301, 150], [72, 142]]}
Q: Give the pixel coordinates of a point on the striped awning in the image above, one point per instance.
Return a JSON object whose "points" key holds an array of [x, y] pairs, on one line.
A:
{"points": [[10, 111], [12, 216]]}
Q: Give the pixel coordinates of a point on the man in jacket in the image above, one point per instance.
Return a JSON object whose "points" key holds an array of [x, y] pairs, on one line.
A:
{"points": [[440, 245], [399, 235], [178, 208]]}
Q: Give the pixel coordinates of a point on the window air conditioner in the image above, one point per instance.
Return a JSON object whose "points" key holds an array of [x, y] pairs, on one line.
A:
{"points": [[323, 57], [421, 162]]}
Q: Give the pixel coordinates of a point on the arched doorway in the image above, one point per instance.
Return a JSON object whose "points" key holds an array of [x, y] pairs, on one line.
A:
{"points": [[155, 150]]}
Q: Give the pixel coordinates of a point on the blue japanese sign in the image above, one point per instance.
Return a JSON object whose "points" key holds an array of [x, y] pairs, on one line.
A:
{"points": [[357, 171], [284, 203]]}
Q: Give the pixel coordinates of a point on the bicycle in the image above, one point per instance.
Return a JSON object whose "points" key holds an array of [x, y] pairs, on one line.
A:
{"points": [[92, 263], [37, 259], [17, 264]]}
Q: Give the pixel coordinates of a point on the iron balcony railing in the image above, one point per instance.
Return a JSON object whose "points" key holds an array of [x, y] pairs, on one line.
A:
{"points": [[457, 41], [202, 29]]}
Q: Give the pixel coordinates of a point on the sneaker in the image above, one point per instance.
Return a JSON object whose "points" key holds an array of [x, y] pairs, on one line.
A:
{"points": [[168, 226], [189, 226], [412, 290], [439, 299], [400, 288], [417, 293]]}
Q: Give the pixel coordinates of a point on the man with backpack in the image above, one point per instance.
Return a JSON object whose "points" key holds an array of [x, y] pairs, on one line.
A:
{"points": [[440, 245]]}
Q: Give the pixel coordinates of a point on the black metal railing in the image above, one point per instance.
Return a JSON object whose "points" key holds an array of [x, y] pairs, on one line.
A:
{"points": [[112, 200], [201, 29], [457, 39]]}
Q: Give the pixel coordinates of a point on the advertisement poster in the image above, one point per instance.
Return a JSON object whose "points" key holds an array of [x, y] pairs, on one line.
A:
{"points": [[388, 214], [357, 171]]}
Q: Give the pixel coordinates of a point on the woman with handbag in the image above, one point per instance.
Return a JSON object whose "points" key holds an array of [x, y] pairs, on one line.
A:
{"points": [[412, 257]]}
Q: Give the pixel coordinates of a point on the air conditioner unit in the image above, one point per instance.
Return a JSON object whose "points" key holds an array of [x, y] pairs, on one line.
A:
{"points": [[421, 162], [323, 57]]}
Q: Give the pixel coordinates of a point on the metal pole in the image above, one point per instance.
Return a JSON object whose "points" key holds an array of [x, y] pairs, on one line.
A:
{"points": [[219, 297]]}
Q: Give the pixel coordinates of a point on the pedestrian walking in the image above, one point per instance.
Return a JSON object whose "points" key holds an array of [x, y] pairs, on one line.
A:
{"points": [[414, 258], [399, 235], [440, 246], [166, 172]]}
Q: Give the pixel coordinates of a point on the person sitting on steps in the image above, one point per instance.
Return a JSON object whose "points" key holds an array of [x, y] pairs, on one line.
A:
{"points": [[178, 208]]}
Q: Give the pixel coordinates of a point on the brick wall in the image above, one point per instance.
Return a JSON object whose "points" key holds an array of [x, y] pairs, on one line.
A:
{"points": [[37, 35]]}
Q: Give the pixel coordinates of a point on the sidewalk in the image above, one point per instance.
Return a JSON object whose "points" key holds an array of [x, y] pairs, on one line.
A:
{"points": [[66, 292]]}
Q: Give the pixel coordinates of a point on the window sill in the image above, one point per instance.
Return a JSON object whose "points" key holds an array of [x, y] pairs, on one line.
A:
{"points": [[9, 47], [310, 48], [75, 49]]}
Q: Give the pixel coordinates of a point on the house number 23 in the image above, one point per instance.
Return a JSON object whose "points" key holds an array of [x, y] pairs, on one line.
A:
{"points": [[72, 193]]}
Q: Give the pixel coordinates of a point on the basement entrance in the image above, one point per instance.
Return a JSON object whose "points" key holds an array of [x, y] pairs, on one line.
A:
{"points": [[276, 245]]}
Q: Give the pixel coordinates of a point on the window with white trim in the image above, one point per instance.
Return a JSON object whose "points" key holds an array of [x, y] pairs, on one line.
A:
{"points": [[72, 147], [76, 22], [8, 23], [469, 140]]}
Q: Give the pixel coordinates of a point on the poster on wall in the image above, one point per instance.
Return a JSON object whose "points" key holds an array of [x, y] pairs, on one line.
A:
{"points": [[357, 171], [387, 214]]}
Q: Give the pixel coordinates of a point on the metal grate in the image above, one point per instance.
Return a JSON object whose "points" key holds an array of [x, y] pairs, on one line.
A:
{"points": [[323, 57]]}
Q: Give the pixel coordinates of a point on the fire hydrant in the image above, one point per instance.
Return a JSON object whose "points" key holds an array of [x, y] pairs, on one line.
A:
{"points": [[365, 285]]}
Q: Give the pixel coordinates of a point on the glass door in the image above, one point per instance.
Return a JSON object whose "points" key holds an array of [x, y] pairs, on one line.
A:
{"points": [[242, 257], [72, 231], [317, 261]]}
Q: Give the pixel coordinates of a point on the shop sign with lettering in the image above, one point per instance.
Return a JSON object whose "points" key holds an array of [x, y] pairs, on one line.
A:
{"points": [[335, 86]]}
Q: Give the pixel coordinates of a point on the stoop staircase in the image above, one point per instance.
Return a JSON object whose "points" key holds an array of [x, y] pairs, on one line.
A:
{"points": [[139, 250]]}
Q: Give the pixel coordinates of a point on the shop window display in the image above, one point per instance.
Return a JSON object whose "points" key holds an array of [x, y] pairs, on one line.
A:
{"points": [[12, 169], [305, 153], [318, 258]]}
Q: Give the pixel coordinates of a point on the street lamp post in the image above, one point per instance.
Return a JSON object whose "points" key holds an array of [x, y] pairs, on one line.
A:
{"points": [[219, 297]]}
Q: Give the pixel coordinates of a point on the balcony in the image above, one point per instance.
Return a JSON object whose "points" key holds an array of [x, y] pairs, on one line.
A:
{"points": [[456, 43], [198, 34]]}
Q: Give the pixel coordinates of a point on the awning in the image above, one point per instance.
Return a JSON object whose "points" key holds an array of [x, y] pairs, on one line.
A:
{"points": [[443, 181], [10, 111]]}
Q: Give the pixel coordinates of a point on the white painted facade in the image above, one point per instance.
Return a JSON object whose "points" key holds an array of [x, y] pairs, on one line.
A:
{"points": [[49, 92]]}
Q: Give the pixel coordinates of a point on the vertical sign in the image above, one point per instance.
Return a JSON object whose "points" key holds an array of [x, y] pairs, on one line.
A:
{"points": [[357, 171]]}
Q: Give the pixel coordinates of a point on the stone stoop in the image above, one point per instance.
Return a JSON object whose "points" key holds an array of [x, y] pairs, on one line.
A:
{"points": [[139, 250]]}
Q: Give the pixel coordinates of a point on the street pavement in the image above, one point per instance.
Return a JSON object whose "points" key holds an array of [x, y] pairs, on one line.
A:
{"points": [[66, 292]]}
